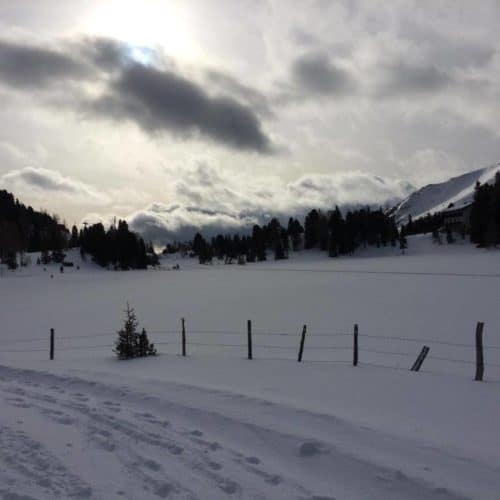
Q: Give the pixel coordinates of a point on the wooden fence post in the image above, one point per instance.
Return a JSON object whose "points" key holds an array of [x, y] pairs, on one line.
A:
{"points": [[249, 337], [183, 337], [302, 340], [355, 347], [479, 352], [420, 359], [51, 344]]}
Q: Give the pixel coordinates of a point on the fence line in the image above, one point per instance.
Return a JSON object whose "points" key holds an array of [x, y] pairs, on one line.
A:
{"points": [[259, 333], [183, 338]]}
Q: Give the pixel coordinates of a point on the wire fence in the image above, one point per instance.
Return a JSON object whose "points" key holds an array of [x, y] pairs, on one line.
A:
{"points": [[319, 347]]}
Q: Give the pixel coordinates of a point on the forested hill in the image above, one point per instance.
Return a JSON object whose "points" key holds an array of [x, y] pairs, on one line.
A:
{"points": [[24, 229]]}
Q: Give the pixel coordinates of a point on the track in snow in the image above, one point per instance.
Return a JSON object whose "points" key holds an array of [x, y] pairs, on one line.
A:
{"points": [[67, 437]]}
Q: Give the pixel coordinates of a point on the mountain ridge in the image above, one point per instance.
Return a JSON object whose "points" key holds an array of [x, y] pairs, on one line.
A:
{"points": [[432, 198]]}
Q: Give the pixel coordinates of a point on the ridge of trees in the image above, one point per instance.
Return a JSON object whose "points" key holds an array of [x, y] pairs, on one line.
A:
{"points": [[23, 229], [328, 231], [485, 214], [117, 247]]}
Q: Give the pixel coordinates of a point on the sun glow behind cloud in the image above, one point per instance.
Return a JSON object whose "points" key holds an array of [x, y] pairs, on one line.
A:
{"points": [[150, 24]]}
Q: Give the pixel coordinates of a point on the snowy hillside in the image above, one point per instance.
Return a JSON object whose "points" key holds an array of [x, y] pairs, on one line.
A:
{"points": [[436, 197], [215, 425]]}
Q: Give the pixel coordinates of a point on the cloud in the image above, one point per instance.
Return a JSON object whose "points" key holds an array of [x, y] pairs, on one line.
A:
{"points": [[206, 204], [315, 73], [429, 163], [30, 67], [162, 223], [157, 99], [9, 153], [160, 100], [346, 189], [404, 78], [251, 97], [42, 182], [105, 53], [448, 51], [303, 37]]}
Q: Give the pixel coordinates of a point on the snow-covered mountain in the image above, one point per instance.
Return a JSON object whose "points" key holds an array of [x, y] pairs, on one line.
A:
{"points": [[436, 197]]}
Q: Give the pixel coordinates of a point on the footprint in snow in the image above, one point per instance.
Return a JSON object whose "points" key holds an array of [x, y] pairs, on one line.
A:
{"points": [[151, 465], [214, 446], [80, 396], [311, 449], [146, 416], [229, 487], [58, 416], [111, 406], [18, 402], [163, 490]]}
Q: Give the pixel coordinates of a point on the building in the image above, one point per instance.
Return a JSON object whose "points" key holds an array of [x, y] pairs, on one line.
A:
{"points": [[457, 218]]}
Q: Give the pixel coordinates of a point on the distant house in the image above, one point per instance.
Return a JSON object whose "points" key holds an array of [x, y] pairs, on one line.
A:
{"points": [[457, 218]]}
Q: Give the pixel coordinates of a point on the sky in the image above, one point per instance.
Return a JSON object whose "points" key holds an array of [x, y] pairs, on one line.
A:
{"points": [[219, 113]]}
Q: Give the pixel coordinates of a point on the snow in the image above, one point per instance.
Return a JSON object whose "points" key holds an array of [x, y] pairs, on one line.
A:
{"points": [[216, 425], [433, 198]]}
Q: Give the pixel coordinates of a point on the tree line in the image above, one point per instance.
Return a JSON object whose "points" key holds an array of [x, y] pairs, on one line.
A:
{"points": [[485, 214], [23, 229], [328, 231], [117, 247]]}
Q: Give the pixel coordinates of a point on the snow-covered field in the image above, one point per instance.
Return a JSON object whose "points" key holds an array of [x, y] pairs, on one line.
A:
{"points": [[216, 425]]}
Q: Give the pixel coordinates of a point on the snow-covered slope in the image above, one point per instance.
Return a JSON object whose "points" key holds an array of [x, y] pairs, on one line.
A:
{"points": [[436, 197], [215, 425]]}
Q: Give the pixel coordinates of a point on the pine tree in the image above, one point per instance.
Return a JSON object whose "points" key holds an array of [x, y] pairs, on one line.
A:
{"points": [[74, 240], [145, 347], [131, 343], [126, 344], [403, 242], [311, 229]]}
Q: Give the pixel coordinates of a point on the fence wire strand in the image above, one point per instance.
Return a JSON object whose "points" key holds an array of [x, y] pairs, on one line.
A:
{"points": [[258, 347]]}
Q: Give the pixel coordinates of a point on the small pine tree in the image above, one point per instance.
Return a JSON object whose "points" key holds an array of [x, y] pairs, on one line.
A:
{"points": [[125, 347], [145, 347], [131, 343]]}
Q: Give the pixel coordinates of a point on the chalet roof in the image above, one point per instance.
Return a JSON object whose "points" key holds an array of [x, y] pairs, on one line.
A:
{"points": [[456, 208]]}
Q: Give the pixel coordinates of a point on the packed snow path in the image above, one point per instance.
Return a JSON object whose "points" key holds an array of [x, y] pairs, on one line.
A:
{"points": [[71, 437]]}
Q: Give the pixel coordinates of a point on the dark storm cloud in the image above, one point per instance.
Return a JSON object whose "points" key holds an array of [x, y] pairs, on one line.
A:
{"points": [[158, 100], [30, 66], [164, 101], [316, 74], [105, 53], [253, 98]]}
